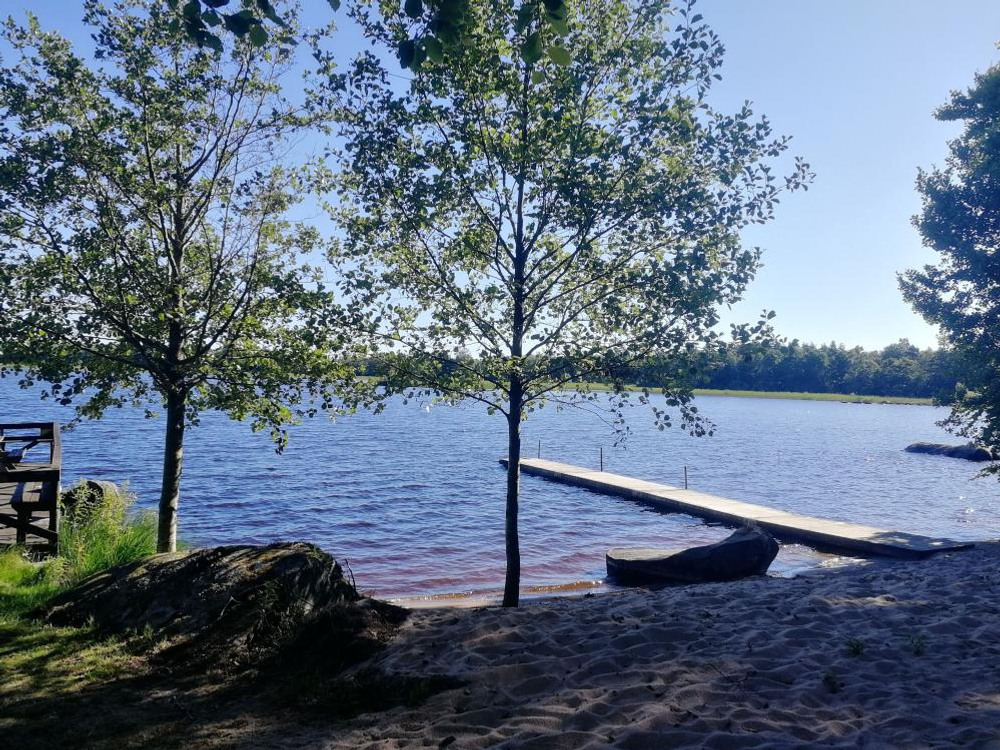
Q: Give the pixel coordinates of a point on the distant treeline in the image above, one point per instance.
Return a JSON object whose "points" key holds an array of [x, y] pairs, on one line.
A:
{"points": [[899, 369]]}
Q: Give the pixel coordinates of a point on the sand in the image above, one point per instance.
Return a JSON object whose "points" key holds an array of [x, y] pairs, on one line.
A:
{"points": [[889, 655]]}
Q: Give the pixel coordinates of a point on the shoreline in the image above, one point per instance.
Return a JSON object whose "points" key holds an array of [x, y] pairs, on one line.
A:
{"points": [[891, 654], [845, 398]]}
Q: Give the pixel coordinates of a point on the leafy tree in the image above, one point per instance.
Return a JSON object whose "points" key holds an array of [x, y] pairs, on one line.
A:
{"points": [[559, 214], [145, 245], [960, 219], [436, 26]]}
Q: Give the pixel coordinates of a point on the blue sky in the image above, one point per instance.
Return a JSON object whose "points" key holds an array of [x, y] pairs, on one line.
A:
{"points": [[855, 83]]}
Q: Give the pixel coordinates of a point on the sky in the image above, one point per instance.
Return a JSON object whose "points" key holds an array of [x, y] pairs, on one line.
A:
{"points": [[855, 83]]}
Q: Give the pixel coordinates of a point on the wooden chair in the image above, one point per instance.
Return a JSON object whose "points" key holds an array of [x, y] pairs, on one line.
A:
{"points": [[29, 486]]}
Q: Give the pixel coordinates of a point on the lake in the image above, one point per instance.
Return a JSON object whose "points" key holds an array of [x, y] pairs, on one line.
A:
{"points": [[413, 498]]}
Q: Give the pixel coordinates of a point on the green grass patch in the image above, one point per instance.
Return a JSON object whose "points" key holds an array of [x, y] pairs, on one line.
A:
{"points": [[849, 398], [41, 667], [25, 585], [97, 533], [101, 533]]}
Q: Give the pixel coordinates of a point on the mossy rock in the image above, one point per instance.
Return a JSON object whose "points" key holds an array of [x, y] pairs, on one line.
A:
{"points": [[233, 605]]}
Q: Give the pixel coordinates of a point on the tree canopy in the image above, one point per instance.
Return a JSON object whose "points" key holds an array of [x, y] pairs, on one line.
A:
{"points": [[146, 249], [435, 26], [960, 219], [577, 205]]}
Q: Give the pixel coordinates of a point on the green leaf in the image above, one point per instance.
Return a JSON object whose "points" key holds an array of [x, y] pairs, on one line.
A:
{"points": [[270, 13], [434, 49], [211, 18], [560, 55], [524, 15], [407, 51], [258, 36], [537, 76], [210, 40], [558, 25], [192, 11], [239, 23], [531, 50], [216, 3], [413, 8], [335, 4]]}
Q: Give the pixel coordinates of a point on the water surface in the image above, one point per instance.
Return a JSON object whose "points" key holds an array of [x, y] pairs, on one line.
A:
{"points": [[413, 498]]}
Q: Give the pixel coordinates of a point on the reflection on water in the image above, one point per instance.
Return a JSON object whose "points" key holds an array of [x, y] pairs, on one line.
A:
{"points": [[413, 499]]}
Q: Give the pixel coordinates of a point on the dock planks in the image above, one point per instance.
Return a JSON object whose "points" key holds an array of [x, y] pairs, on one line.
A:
{"points": [[839, 536]]}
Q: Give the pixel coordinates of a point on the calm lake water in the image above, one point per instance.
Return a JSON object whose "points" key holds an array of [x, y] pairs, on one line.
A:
{"points": [[413, 498]]}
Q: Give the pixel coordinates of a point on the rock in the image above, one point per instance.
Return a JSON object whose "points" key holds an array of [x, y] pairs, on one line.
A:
{"points": [[747, 552], [969, 451], [235, 604], [88, 491]]}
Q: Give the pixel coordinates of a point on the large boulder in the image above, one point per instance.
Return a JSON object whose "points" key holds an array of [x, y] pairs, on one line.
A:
{"points": [[969, 451], [232, 604], [746, 552]]}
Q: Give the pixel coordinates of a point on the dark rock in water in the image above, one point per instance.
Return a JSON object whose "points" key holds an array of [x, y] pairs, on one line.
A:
{"points": [[747, 552], [969, 451], [233, 604]]}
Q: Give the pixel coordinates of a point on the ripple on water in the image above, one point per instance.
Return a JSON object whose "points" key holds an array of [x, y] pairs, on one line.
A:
{"points": [[415, 499]]}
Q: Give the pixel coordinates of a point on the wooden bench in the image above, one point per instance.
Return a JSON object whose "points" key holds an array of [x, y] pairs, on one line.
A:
{"points": [[30, 486]]}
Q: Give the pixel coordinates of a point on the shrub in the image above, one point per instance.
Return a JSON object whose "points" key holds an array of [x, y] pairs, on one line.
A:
{"points": [[100, 531]]}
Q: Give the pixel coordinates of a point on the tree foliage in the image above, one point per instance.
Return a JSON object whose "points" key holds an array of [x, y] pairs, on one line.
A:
{"points": [[145, 244], [960, 219], [899, 369], [436, 26], [543, 209]]}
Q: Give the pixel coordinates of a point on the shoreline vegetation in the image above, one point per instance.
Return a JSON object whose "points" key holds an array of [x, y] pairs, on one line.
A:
{"points": [[847, 398]]}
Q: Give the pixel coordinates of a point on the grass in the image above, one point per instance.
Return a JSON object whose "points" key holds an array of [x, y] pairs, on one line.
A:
{"points": [[25, 585], [42, 667], [97, 533], [850, 398]]}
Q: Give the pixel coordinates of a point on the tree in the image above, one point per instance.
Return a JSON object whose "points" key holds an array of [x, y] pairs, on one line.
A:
{"points": [[435, 26], [559, 215], [145, 244], [960, 219]]}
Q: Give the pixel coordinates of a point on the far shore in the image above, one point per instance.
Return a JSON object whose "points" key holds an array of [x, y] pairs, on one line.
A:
{"points": [[847, 398]]}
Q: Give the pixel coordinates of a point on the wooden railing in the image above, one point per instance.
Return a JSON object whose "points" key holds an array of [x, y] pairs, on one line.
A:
{"points": [[29, 482]]}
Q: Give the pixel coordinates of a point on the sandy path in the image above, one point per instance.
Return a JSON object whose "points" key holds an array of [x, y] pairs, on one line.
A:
{"points": [[895, 655]]}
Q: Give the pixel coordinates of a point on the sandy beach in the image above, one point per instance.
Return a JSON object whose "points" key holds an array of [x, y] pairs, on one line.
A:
{"points": [[888, 655]]}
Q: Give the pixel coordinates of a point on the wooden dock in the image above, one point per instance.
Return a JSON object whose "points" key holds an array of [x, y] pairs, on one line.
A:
{"points": [[30, 483], [838, 536]]}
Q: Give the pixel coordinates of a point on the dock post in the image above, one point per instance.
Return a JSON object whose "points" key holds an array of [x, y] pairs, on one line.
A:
{"points": [[539, 447], [602, 458], [685, 477]]}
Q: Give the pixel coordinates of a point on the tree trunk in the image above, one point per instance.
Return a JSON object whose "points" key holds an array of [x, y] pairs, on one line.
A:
{"points": [[512, 584], [173, 456]]}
